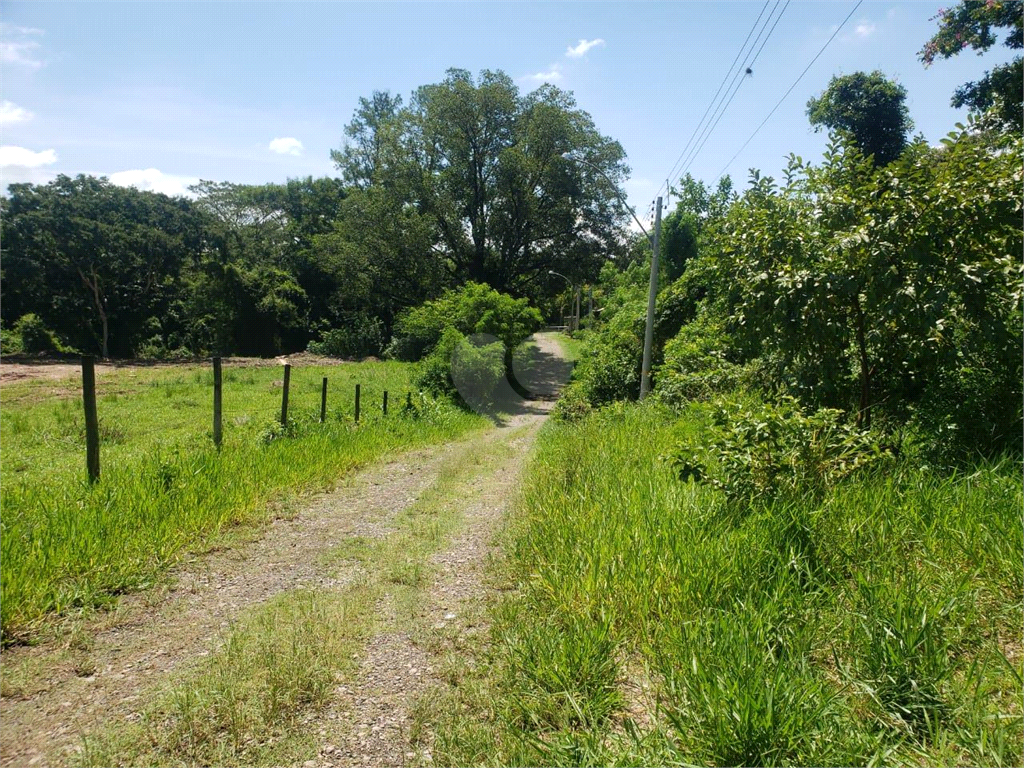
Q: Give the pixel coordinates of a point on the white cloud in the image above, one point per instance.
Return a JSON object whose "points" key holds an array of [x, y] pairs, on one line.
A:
{"points": [[26, 158], [546, 77], [19, 53], [17, 47], [23, 166], [19, 174], [286, 146], [153, 180], [12, 113], [864, 29], [582, 48]]}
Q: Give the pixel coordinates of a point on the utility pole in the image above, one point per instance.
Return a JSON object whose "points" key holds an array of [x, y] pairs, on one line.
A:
{"points": [[645, 371]]}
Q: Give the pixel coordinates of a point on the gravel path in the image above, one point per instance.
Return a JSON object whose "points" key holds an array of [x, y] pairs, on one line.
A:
{"points": [[154, 635]]}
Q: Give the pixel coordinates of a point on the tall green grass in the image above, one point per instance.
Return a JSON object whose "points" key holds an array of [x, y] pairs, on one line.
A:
{"points": [[164, 489], [878, 624]]}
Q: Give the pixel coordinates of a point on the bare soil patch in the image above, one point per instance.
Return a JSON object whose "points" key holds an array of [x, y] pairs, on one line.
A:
{"points": [[30, 368]]}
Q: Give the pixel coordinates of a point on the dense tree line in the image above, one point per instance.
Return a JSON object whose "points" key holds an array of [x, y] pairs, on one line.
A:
{"points": [[468, 182]]}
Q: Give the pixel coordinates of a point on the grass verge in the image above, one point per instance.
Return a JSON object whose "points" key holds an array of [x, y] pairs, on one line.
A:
{"points": [[879, 624]]}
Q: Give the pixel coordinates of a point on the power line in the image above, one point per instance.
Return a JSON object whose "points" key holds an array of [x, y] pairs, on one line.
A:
{"points": [[715, 97], [795, 82], [746, 65]]}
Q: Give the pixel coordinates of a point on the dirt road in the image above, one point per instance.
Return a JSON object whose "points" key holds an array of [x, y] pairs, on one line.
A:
{"points": [[51, 698]]}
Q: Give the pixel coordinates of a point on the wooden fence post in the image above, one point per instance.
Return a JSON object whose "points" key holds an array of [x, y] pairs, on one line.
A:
{"points": [[323, 401], [218, 432], [92, 425], [385, 402], [357, 403], [284, 395]]}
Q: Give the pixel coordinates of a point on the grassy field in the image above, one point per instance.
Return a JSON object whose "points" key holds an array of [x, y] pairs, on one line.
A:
{"points": [[649, 621], [164, 489]]}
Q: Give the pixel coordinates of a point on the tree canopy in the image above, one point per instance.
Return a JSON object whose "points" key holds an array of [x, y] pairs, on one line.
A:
{"points": [[477, 171], [972, 24], [99, 262], [869, 108]]}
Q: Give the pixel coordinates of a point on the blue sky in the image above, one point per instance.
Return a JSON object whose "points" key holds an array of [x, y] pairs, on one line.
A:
{"points": [[161, 94]]}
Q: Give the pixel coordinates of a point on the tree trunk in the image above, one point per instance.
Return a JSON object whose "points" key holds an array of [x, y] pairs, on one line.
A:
{"points": [[97, 298], [106, 334]]}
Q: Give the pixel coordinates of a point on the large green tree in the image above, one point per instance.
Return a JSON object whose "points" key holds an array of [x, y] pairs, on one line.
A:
{"points": [[870, 109], [96, 261], [973, 24], [267, 283], [482, 167], [682, 229]]}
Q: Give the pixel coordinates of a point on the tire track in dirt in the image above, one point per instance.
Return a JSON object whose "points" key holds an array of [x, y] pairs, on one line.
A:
{"points": [[372, 718]]}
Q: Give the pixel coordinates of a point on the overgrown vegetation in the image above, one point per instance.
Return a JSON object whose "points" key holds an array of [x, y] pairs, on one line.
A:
{"points": [[871, 618], [891, 293]]}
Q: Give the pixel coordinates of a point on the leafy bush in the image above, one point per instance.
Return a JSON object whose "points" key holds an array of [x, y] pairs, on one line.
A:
{"points": [[435, 370], [870, 285], [696, 364], [760, 450], [359, 335], [463, 368], [476, 369], [573, 404], [30, 334], [611, 370], [974, 408], [10, 342], [473, 308]]}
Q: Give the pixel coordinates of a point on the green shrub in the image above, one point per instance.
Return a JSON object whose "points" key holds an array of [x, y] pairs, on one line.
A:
{"points": [[973, 408], [477, 368], [473, 308], [360, 335], [611, 369], [573, 404], [35, 336], [761, 450], [10, 342], [463, 368], [434, 374], [696, 364]]}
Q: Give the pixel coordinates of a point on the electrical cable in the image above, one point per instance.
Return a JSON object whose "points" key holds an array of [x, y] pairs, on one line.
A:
{"points": [[721, 113], [786, 94], [715, 97]]}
